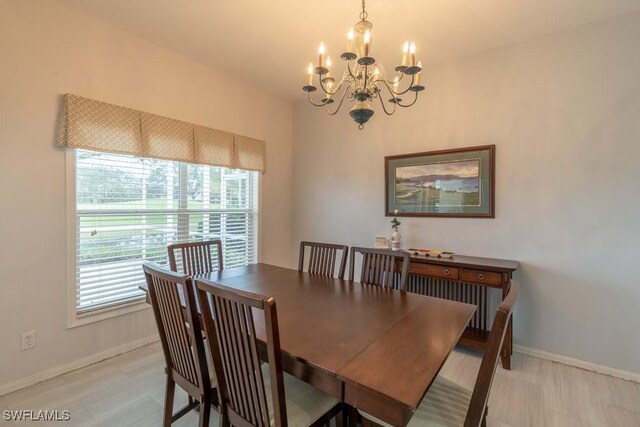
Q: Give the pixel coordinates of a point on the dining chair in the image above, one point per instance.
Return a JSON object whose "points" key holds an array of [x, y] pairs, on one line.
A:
{"points": [[182, 342], [323, 257], [251, 393], [379, 267], [196, 257], [448, 404]]}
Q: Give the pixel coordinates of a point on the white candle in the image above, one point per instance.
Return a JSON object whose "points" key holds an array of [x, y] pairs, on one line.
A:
{"points": [[310, 72], [350, 36], [405, 52], [417, 80], [366, 38], [321, 51], [412, 54]]}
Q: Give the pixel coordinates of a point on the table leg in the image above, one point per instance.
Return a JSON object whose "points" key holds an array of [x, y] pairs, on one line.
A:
{"points": [[352, 415]]}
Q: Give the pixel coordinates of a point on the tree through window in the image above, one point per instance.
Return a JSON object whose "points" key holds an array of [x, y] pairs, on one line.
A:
{"points": [[129, 209]]}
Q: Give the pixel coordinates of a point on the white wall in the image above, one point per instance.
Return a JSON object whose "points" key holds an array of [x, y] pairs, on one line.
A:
{"points": [[46, 50], [564, 113]]}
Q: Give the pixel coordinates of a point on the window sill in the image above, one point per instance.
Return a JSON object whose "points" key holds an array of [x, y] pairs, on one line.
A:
{"points": [[76, 319]]}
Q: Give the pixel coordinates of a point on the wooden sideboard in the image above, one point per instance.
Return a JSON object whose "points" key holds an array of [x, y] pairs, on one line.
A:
{"points": [[466, 279]]}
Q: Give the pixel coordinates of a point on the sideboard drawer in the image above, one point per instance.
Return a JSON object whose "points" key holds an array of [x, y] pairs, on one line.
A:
{"points": [[478, 276], [452, 273]]}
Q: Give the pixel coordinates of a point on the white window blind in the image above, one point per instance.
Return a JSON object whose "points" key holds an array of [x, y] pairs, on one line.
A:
{"points": [[129, 209]]}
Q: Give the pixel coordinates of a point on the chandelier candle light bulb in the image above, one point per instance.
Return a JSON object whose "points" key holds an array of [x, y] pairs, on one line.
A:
{"points": [[394, 91], [321, 51], [416, 81], [366, 38], [365, 81], [405, 52], [350, 36], [412, 54]]}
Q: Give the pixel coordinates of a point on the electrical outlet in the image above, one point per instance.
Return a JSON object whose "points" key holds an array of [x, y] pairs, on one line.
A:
{"points": [[28, 340]]}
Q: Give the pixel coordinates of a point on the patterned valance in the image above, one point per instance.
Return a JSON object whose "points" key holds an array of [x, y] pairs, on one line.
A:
{"points": [[98, 126]]}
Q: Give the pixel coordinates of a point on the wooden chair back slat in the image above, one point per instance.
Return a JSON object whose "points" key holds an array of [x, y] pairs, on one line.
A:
{"points": [[228, 317], [196, 257], [179, 329], [239, 361], [480, 395], [379, 267], [322, 258]]}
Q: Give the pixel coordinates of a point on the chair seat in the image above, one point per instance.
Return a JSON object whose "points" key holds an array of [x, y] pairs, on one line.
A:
{"points": [[445, 405], [305, 403]]}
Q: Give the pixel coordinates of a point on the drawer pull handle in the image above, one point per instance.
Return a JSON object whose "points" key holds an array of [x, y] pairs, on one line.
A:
{"points": [[446, 272], [480, 276]]}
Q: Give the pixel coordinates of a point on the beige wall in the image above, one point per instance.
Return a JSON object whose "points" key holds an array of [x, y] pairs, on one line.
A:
{"points": [[47, 49], [564, 113]]}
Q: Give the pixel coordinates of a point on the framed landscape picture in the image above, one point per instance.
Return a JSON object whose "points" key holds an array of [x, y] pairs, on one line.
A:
{"points": [[447, 183]]}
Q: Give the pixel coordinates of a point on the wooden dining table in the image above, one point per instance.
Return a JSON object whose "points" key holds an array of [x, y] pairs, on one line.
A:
{"points": [[376, 349]]}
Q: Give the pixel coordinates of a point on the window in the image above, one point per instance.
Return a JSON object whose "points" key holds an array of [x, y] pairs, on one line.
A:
{"points": [[129, 209]]}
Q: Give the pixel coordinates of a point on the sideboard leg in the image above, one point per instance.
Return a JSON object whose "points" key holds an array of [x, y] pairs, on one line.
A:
{"points": [[507, 345], [506, 362]]}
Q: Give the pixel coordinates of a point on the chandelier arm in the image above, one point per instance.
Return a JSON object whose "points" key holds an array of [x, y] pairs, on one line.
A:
{"points": [[313, 103], [350, 72], [344, 77], [396, 81], [387, 83], [385, 108], [409, 105], [390, 89], [340, 103], [413, 79]]}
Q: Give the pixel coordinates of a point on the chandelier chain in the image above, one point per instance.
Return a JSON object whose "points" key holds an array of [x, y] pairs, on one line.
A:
{"points": [[363, 14]]}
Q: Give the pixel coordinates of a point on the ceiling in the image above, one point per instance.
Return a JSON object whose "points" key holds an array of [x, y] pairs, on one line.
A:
{"points": [[269, 43]]}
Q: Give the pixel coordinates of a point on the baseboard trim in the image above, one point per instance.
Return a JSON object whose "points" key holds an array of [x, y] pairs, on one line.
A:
{"points": [[124, 348], [76, 364], [619, 373]]}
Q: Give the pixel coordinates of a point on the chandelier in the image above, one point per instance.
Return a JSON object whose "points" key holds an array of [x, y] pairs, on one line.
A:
{"points": [[364, 80]]}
